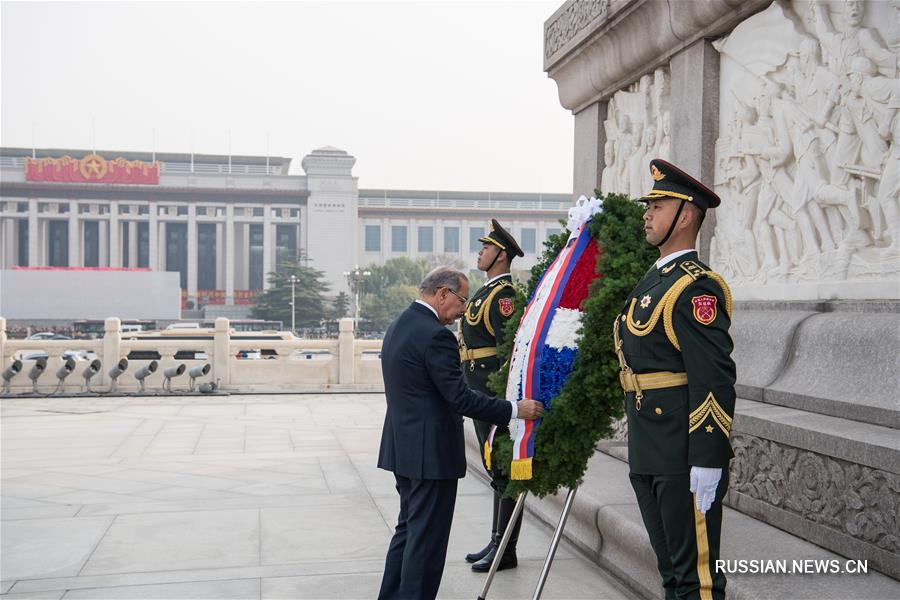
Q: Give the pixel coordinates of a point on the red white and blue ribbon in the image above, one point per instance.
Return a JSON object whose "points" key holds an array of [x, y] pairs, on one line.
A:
{"points": [[546, 342]]}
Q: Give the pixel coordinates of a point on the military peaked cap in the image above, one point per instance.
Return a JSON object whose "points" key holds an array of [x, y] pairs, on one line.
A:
{"points": [[671, 182], [502, 239]]}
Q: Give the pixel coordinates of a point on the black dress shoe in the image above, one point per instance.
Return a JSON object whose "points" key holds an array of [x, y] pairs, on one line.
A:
{"points": [[508, 561], [476, 556]]}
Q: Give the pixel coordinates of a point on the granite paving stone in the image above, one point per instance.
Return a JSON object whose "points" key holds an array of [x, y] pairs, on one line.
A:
{"points": [[49, 547], [241, 589], [186, 540], [244, 496]]}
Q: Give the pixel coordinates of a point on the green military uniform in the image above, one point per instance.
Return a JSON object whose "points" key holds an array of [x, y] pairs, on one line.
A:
{"points": [[481, 332], [675, 353]]}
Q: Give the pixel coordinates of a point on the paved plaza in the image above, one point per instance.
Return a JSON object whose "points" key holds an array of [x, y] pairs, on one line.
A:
{"points": [[243, 496]]}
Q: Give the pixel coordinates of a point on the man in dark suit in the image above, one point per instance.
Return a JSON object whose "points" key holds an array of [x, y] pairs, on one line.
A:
{"points": [[422, 440]]}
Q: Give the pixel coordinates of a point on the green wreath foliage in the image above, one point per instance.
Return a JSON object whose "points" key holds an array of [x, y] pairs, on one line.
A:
{"points": [[591, 399]]}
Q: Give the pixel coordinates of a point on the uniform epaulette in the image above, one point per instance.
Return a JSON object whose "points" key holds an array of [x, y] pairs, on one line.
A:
{"points": [[698, 272], [693, 269]]}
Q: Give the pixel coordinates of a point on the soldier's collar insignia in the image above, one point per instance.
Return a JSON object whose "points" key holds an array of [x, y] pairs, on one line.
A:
{"points": [[478, 302], [645, 301], [667, 270]]}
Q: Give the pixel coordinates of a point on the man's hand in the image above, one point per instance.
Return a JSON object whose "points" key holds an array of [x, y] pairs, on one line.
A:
{"points": [[529, 409], [704, 481]]}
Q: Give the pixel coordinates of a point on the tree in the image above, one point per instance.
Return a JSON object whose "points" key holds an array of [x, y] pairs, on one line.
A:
{"points": [[445, 260], [396, 271], [476, 280], [388, 290], [378, 310], [341, 306], [309, 295]]}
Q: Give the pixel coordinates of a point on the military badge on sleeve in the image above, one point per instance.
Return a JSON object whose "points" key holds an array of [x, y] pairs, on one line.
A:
{"points": [[506, 306], [704, 308]]}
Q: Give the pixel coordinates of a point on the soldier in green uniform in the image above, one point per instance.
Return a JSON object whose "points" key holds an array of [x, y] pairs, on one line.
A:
{"points": [[481, 331], [676, 369]]}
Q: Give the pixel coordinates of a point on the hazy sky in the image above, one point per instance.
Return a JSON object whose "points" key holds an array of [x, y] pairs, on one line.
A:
{"points": [[425, 95]]}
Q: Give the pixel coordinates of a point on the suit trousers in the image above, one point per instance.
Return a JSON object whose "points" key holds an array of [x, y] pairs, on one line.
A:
{"points": [[685, 541], [417, 552]]}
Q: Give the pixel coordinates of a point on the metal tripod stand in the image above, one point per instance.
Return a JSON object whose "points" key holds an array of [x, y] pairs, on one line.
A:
{"points": [[551, 553]]}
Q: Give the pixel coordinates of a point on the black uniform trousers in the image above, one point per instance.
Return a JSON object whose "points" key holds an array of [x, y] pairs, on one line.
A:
{"points": [[686, 542], [418, 550], [482, 431]]}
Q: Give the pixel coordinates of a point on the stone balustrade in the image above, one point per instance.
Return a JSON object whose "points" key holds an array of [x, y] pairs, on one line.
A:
{"points": [[238, 365]]}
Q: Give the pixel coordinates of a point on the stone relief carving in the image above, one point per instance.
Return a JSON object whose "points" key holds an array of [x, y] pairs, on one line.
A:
{"points": [[806, 161], [620, 430], [571, 21], [856, 500], [637, 130]]}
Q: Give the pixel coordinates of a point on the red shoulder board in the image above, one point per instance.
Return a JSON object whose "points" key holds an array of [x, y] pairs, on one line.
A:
{"points": [[704, 308], [507, 306]]}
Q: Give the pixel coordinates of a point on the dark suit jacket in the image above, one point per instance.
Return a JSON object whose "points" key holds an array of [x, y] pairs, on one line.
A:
{"points": [[426, 398]]}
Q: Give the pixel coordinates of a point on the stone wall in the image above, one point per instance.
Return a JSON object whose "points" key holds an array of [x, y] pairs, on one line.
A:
{"points": [[791, 110]]}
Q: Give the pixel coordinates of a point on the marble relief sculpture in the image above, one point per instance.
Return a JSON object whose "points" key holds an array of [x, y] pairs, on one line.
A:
{"points": [[807, 158], [637, 130]]}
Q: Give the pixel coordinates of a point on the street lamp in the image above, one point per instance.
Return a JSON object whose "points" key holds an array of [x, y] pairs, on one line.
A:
{"points": [[294, 280], [355, 279]]}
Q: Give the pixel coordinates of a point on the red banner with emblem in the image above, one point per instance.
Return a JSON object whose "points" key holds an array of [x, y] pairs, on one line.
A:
{"points": [[93, 168], [205, 297]]}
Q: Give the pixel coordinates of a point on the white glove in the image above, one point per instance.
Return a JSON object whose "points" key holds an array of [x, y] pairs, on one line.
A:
{"points": [[704, 481]]}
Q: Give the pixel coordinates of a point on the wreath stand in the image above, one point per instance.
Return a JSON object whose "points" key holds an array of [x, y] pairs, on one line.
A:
{"points": [[551, 553]]}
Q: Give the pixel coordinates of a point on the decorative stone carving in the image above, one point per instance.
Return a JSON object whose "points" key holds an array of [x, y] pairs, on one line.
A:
{"points": [[571, 22], [806, 161], [620, 430], [637, 130], [856, 500]]}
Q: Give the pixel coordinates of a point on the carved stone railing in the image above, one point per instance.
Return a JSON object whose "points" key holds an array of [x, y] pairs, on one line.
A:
{"points": [[345, 364]]}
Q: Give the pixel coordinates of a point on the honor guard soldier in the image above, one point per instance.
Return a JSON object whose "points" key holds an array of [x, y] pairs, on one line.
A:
{"points": [[481, 331], [674, 351]]}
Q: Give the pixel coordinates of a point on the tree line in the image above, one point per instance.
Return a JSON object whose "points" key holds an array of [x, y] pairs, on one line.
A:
{"points": [[383, 294]]}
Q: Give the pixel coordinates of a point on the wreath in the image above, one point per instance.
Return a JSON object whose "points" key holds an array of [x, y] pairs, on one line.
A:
{"points": [[591, 399]]}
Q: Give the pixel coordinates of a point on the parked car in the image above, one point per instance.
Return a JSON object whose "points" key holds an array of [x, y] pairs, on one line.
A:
{"points": [[48, 335], [77, 355]]}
